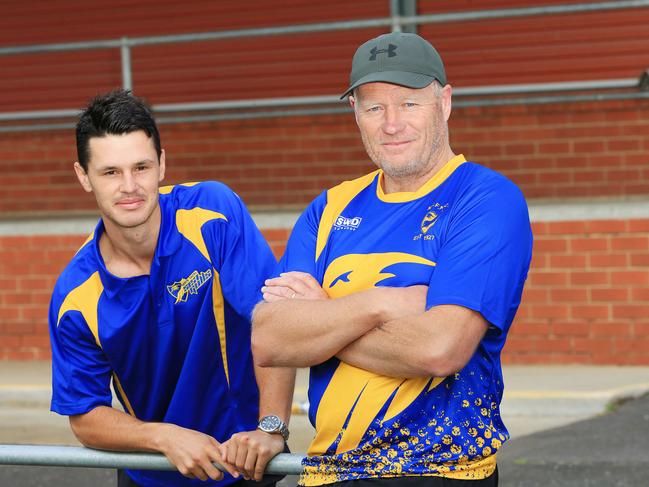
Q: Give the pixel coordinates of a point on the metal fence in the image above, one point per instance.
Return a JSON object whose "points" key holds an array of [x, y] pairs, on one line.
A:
{"points": [[74, 456], [278, 107]]}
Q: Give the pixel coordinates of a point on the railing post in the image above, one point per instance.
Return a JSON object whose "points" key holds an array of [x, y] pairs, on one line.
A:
{"points": [[127, 78], [395, 15]]}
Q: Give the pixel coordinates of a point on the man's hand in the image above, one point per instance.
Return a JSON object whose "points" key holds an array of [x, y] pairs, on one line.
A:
{"points": [[192, 452], [249, 452], [289, 285]]}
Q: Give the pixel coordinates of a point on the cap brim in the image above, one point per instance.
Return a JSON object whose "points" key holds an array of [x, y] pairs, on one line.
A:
{"points": [[409, 80]]}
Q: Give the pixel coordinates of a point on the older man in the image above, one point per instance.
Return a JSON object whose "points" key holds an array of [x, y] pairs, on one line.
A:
{"points": [[398, 289]]}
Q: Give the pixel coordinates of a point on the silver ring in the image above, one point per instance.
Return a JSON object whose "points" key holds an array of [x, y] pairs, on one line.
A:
{"points": [[293, 295]]}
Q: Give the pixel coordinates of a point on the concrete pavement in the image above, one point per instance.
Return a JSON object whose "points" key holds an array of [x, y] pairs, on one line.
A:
{"points": [[538, 399], [606, 450]]}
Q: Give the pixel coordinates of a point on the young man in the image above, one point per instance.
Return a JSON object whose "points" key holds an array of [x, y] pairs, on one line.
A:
{"points": [[398, 289], [159, 300]]}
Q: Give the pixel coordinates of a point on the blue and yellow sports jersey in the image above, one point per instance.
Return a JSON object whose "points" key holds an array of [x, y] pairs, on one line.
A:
{"points": [[466, 235], [176, 343]]}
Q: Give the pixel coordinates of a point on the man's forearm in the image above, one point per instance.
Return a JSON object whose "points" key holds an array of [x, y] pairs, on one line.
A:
{"points": [[276, 386], [385, 352], [301, 333], [107, 428], [437, 343], [193, 453]]}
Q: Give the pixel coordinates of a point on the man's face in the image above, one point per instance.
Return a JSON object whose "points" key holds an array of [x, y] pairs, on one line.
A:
{"points": [[403, 129], [124, 174]]}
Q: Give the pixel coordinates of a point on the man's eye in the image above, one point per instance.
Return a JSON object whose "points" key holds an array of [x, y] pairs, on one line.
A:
{"points": [[110, 173], [410, 104], [374, 109]]}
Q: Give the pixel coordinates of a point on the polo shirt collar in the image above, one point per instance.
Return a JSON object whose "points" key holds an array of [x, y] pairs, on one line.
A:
{"points": [[169, 241]]}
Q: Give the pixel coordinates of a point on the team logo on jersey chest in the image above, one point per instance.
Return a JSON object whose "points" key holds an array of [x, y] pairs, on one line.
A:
{"points": [[433, 213], [181, 290]]}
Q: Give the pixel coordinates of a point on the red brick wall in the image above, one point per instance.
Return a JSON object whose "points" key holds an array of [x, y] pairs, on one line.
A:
{"points": [[586, 299], [587, 296], [29, 267], [551, 151]]}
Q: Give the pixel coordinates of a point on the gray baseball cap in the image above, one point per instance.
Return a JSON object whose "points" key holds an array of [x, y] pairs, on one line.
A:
{"points": [[398, 58]]}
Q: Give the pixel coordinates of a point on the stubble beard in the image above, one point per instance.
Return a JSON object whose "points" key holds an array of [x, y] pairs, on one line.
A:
{"points": [[130, 224], [412, 168]]}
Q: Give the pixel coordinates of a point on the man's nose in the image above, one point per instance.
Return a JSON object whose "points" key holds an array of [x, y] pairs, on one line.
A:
{"points": [[393, 121], [128, 182]]}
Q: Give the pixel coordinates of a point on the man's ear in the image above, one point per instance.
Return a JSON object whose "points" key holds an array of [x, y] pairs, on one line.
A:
{"points": [[163, 166], [82, 176], [352, 103], [447, 103]]}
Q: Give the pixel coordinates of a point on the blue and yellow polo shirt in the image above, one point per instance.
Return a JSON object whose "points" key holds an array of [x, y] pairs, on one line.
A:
{"points": [[176, 342], [466, 235]]}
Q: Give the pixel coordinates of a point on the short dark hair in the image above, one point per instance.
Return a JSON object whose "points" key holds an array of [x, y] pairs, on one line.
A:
{"points": [[117, 112]]}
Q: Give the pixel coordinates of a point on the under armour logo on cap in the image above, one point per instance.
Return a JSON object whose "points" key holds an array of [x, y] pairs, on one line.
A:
{"points": [[390, 50], [416, 64]]}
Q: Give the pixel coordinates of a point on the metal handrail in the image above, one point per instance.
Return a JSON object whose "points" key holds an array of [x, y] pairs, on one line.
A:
{"points": [[75, 456], [525, 11], [334, 99], [395, 21], [219, 117], [326, 26]]}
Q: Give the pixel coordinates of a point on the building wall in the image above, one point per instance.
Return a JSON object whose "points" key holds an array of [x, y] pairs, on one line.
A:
{"points": [[557, 152], [586, 300], [586, 296]]}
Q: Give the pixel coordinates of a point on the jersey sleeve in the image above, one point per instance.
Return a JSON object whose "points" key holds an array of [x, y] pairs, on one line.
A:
{"points": [[485, 255], [80, 371], [240, 253], [300, 252]]}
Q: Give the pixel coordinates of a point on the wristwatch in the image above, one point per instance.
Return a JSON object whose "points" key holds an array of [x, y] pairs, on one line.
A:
{"points": [[273, 424]]}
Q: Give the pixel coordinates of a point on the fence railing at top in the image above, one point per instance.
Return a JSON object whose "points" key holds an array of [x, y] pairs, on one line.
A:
{"points": [[74, 456], [259, 108]]}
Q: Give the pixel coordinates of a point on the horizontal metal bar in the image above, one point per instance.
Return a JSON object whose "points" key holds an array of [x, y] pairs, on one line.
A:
{"points": [[542, 100], [262, 31], [327, 26], [74, 456], [61, 46], [189, 118], [36, 127], [334, 99], [607, 84], [219, 117], [239, 104], [197, 37], [336, 110], [38, 115], [524, 12]]}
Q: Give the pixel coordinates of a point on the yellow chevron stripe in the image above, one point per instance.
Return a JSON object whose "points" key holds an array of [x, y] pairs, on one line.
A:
{"points": [[85, 299], [337, 199]]}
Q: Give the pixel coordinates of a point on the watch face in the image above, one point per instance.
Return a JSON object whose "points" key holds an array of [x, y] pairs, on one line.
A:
{"points": [[270, 423], [273, 424]]}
